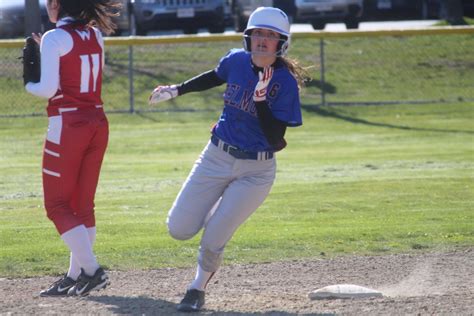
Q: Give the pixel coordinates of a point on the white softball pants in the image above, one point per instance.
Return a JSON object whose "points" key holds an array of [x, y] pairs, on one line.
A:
{"points": [[220, 193]]}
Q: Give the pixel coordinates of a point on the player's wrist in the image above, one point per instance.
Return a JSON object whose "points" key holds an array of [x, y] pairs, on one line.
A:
{"points": [[260, 103], [174, 90]]}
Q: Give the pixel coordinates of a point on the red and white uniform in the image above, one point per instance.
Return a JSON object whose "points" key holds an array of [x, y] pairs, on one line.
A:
{"points": [[71, 77]]}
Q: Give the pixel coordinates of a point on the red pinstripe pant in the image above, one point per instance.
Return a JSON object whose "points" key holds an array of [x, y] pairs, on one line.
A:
{"points": [[73, 153]]}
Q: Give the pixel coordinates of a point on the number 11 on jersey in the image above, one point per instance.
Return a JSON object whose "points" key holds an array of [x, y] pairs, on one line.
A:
{"points": [[86, 69]]}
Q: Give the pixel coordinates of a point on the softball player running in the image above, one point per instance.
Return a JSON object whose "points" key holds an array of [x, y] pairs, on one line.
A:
{"points": [[72, 57], [235, 171]]}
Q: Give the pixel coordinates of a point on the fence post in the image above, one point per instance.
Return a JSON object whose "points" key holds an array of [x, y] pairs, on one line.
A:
{"points": [[322, 71], [130, 79], [133, 32]]}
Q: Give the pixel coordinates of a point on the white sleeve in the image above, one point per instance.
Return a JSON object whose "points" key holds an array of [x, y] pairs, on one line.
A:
{"points": [[54, 44]]}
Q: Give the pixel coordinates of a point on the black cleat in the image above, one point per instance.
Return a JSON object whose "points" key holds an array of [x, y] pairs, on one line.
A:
{"points": [[85, 284], [193, 301], [59, 288]]}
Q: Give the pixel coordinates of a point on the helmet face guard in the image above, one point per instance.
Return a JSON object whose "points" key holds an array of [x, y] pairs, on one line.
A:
{"points": [[272, 19], [282, 47]]}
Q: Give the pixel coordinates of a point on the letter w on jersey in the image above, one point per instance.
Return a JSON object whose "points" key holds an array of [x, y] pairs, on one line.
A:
{"points": [[84, 34]]}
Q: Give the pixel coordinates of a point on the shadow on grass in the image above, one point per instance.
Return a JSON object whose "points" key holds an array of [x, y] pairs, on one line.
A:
{"points": [[326, 86], [143, 305], [324, 112], [147, 116]]}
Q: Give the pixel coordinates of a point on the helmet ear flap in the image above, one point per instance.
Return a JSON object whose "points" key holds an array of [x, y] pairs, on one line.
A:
{"points": [[247, 43]]}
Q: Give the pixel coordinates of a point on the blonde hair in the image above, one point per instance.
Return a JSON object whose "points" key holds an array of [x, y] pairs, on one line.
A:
{"points": [[300, 73]]}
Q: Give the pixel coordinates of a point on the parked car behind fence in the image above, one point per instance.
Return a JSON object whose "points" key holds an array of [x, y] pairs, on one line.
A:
{"points": [[188, 15], [401, 9], [321, 12], [316, 12], [412, 9]]}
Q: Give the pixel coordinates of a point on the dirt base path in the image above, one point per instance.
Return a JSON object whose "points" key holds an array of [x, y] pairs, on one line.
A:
{"points": [[429, 283]]}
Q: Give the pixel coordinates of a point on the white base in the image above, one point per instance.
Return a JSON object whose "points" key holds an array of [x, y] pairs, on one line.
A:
{"points": [[343, 291]]}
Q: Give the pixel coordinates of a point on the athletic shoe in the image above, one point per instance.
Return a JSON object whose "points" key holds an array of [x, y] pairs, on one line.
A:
{"points": [[192, 301], [60, 287], [85, 284]]}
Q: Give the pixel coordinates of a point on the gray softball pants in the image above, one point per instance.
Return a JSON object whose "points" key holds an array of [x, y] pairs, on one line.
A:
{"points": [[220, 193]]}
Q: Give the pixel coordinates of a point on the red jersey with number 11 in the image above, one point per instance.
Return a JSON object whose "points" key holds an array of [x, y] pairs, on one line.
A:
{"points": [[80, 70]]}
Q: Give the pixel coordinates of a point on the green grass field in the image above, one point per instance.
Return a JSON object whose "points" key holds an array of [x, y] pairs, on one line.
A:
{"points": [[353, 180]]}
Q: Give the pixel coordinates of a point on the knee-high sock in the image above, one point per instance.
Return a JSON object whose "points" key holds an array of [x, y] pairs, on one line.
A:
{"points": [[201, 279], [79, 242], [74, 267]]}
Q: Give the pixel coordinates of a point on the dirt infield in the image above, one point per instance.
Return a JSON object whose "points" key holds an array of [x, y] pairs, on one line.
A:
{"points": [[439, 283]]}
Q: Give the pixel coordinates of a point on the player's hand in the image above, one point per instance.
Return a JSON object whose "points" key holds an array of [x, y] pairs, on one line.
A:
{"points": [[37, 37], [163, 93], [260, 93]]}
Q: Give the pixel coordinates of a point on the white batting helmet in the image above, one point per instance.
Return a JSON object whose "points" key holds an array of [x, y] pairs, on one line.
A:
{"points": [[273, 19]]}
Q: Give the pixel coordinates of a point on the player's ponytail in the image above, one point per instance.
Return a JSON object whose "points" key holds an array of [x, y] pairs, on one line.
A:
{"points": [[97, 13], [300, 73]]}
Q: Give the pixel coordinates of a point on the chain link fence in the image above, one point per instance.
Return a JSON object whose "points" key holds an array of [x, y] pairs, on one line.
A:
{"points": [[347, 68]]}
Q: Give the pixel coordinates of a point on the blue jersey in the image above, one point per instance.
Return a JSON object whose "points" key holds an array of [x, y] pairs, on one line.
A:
{"points": [[239, 125]]}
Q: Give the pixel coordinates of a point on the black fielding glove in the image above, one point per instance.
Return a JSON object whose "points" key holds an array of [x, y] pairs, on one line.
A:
{"points": [[31, 61]]}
